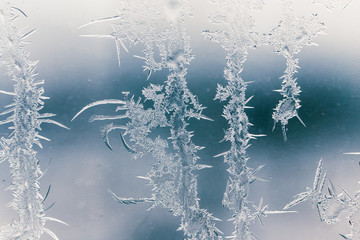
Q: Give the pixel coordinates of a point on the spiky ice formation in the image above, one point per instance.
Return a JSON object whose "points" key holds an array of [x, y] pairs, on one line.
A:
{"points": [[331, 206], [288, 38], [159, 26], [25, 121], [237, 36]]}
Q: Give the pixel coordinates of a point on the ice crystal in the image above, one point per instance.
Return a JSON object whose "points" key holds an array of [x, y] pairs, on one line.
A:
{"points": [[288, 38], [314, 193], [237, 36], [331, 206], [154, 29], [159, 26], [25, 120]]}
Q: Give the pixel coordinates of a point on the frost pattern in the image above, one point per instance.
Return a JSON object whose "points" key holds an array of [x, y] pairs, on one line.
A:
{"points": [[333, 4], [237, 36], [332, 205], [172, 177], [25, 121], [288, 38], [152, 28]]}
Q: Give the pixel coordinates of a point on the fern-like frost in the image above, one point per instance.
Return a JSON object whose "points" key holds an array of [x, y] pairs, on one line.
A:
{"points": [[237, 36], [291, 35], [159, 26], [25, 122], [331, 205]]}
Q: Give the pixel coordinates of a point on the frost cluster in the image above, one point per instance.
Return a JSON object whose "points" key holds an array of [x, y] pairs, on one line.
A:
{"points": [[159, 27], [237, 36], [332, 205], [155, 25], [288, 38], [25, 122], [172, 177]]}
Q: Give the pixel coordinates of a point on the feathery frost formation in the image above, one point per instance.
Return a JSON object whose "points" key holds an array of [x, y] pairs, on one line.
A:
{"points": [[237, 36], [331, 206], [150, 23], [159, 26], [25, 121], [288, 38]]}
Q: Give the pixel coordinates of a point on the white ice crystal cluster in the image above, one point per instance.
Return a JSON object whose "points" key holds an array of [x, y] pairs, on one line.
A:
{"points": [[25, 120], [154, 24], [237, 36], [159, 26], [288, 38], [332, 205]]}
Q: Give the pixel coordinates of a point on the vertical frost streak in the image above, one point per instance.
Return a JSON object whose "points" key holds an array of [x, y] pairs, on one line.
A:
{"points": [[288, 38], [25, 121], [160, 26], [236, 37]]}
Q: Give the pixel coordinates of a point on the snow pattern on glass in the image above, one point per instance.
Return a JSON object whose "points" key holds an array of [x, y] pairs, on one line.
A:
{"points": [[25, 119], [174, 182]]}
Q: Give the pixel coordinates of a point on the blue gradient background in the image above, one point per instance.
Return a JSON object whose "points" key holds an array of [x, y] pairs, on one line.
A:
{"points": [[81, 70]]}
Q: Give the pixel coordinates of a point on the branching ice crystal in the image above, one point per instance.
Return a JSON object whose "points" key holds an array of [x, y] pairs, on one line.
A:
{"points": [[315, 193], [237, 36], [153, 29], [332, 205], [288, 38], [25, 121], [172, 177]]}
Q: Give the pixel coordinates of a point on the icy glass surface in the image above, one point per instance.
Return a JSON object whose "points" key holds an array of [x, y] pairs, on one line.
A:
{"points": [[181, 113]]}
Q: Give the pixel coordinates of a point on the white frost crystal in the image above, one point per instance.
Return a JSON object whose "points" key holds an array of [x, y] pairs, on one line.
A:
{"points": [[288, 38], [237, 36], [332, 205], [174, 183], [25, 121]]}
